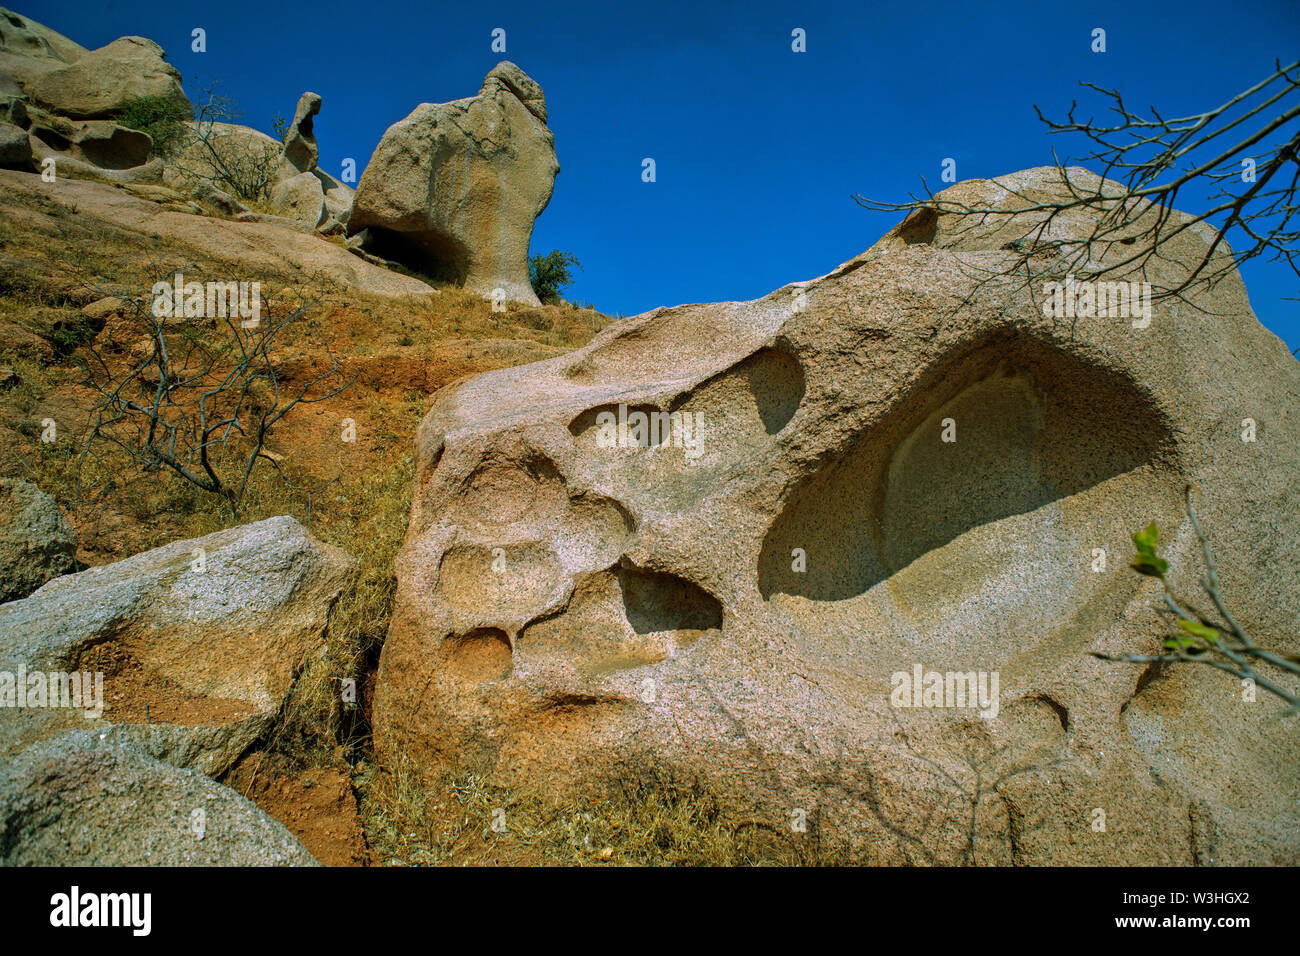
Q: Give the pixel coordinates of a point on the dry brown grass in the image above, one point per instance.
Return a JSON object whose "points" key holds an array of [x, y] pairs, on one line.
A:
{"points": [[651, 819]]}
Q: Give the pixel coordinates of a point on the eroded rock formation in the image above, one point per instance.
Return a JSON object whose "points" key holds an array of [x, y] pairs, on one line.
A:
{"points": [[454, 188], [731, 598]]}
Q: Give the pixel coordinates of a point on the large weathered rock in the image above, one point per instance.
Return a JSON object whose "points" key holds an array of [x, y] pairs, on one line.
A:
{"points": [[68, 166], [36, 542], [301, 198], [83, 799], [15, 150], [98, 84], [453, 189], [191, 650], [735, 602], [199, 641], [28, 50], [252, 154], [338, 197]]}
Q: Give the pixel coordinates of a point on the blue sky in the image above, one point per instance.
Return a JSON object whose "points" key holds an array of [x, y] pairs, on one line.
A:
{"points": [[758, 149]]}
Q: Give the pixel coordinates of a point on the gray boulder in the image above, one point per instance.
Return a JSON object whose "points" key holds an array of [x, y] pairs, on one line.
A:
{"points": [[199, 641], [36, 542], [83, 799]]}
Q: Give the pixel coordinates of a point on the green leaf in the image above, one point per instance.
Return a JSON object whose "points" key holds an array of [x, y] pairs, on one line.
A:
{"points": [[1177, 642], [1197, 629], [1147, 539], [1150, 565]]}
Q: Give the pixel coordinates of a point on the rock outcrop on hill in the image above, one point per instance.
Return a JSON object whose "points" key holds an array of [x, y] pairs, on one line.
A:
{"points": [[99, 84], [900, 469], [197, 645], [271, 245], [29, 50], [300, 149], [66, 78], [454, 188], [57, 99]]}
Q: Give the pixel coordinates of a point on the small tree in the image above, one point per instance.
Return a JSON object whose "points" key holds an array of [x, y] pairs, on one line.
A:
{"points": [[201, 399], [229, 159], [1200, 638], [550, 275]]}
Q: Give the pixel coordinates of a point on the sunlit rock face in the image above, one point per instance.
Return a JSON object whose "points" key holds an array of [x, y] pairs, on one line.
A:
{"points": [[732, 542], [453, 189]]}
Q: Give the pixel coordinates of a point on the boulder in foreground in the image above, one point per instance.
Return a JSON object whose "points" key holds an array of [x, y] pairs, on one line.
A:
{"points": [[739, 598]]}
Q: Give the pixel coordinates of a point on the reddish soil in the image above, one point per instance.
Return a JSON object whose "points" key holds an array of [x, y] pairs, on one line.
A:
{"points": [[317, 805], [132, 696]]}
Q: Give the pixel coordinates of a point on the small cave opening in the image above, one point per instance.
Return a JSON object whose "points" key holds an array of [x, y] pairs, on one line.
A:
{"points": [[430, 256], [654, 601]]}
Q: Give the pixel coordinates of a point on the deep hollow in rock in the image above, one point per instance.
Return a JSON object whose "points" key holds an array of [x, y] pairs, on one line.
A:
{"points": [[664, 602], [482, 654], [441, 259], [1032, 425], [769, 384]]}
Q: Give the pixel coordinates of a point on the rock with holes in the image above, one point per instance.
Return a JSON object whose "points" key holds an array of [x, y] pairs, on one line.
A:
{"points": [[96, 142], [453, 189], [843, 553], [196, 644]]}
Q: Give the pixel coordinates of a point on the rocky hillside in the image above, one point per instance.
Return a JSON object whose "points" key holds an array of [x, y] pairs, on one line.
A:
{"points": [[81, 250], [323, 540]]}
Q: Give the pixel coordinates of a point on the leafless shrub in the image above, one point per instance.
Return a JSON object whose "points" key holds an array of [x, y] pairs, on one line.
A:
{"points": [[198, 397], [1244, 151]]}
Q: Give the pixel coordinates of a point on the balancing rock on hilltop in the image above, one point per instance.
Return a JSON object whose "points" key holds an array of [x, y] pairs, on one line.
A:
{"points": [[733, 600], [454, 188]]}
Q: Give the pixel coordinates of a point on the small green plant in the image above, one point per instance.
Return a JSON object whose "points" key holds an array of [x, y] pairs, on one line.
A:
{"points": [[1200, 638], [161, 117], [550, 273]]}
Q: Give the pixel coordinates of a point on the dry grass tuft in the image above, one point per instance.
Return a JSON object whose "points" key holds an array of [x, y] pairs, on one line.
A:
{"points": [[652, 819]]}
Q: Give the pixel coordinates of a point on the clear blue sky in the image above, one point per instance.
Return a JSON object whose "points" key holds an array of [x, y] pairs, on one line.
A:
{"points": [[758, 149]]}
